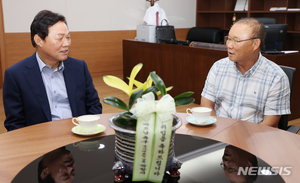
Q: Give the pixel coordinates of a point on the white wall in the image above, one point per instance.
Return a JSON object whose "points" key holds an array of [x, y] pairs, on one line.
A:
{"points": [[96, 15]]}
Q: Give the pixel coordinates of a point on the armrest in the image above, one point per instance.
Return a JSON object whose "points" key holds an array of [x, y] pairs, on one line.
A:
{"points": [[293, 129]]}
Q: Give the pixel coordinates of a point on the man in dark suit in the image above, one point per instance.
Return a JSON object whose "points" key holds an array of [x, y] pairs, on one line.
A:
{"points": [[48, 85]]}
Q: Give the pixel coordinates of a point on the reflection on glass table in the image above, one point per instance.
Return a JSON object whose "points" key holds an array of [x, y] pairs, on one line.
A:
{"points": [[235, 160], [57, 166], [201, 159]]}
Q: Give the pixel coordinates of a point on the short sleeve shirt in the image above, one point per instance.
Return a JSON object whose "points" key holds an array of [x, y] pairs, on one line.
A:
{"points": [[262, 90]]}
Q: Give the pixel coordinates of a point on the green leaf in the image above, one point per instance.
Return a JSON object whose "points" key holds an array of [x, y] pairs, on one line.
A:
{"points": [[114, 101], [159, 83], [185, 94], [134, 96], [167, 89], [184, 101], [122, 122], [151, 89], [127, 115]]}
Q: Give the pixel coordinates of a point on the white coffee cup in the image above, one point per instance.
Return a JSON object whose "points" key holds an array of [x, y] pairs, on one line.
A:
{"points": [[88, 123], [201, 114]]}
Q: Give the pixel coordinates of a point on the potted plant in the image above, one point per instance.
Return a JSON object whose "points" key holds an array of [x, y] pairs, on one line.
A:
{"points": [[145, 133]]}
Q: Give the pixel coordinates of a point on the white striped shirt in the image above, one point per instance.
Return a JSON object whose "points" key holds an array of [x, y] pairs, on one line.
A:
{"points": [[262, 90]]}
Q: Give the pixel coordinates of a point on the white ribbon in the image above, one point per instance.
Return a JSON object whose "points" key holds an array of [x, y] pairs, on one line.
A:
{"points": [[165, 107], [147, 105], [144, 106], [153, 135]]}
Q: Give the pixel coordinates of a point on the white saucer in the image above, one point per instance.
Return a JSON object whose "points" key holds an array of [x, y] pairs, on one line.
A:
{"points": [[78, 130], [209, 121]]}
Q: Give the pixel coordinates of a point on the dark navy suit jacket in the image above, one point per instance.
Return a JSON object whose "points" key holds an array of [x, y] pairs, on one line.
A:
{"points": [[25, 98]]}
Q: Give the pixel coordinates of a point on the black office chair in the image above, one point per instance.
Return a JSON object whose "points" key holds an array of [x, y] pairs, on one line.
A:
{"points": [[266, 20], [283, 123], [205, 34]]}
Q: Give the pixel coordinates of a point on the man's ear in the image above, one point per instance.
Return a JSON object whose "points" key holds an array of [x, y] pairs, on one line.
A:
{"points": [[44, 173], [38, 40], [256, 43]]}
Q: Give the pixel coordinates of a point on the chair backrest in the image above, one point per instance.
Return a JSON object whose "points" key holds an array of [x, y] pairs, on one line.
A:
{"points": [[290, 72], [205, 34], [266, 20]]}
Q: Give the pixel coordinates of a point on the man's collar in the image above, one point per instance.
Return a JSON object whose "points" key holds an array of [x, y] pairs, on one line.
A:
{"points": [[254, 68], [42, 64]]}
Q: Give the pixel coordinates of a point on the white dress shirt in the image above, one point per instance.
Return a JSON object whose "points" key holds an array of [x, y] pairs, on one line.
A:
{"points": [[150, 16], [56, 90]]}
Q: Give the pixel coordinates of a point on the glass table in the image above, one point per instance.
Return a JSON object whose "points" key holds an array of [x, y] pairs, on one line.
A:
{"points": [[204, 160]]}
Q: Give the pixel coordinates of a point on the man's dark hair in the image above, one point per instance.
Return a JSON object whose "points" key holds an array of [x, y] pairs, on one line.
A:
{"points": [[258, 29], [42, 166], [42, 21], [48, 179]]}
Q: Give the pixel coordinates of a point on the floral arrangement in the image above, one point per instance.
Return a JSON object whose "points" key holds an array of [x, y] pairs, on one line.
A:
{"points": [[128, 119], [152, 120]]}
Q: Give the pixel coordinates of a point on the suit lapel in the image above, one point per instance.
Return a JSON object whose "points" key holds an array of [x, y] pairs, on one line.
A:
{"points": [[70, 82], [35, 81]]}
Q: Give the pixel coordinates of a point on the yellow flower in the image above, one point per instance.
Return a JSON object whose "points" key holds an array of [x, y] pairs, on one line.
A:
{"points": [[128, 89], [140, 89], [120, 84]]}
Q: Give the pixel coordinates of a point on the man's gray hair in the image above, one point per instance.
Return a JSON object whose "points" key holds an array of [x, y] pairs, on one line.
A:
{"points": [[258, 29]]}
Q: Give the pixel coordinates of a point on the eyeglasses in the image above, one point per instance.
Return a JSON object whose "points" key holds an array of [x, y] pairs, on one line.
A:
{"points": [[230, 170], [234, 41]]}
